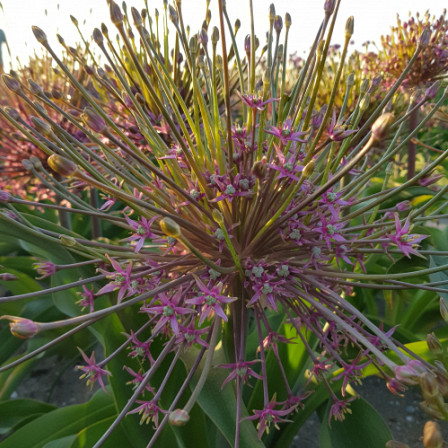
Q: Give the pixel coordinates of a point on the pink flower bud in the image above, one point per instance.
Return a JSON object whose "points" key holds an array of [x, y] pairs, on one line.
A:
{"points": [[410, 373], [22, 328], [179, 417]]}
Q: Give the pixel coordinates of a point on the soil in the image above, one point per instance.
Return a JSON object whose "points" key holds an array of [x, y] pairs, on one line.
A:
{"points": [[402, 414]]}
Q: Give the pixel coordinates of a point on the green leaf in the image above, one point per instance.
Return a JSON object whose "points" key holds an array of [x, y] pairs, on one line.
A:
{"points": [[90, 435], [61, 422], [14, 412], [363, 427], [220, 405], [64, 442], [439, 276]]}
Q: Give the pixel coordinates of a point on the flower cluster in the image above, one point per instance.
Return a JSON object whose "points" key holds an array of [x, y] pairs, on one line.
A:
{"points": [[230, 210]]}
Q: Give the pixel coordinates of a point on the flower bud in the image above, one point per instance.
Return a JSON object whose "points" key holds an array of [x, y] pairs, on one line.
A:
{"points": [[434, 344], [179, 417], [403, 205], [349, 27], [170, 227], [288, 20], [22, 328], [432, 410], [215, 35], [5, 197], [329, 6], [194, 47], [217, 216], [444, 309], [432, 90], [425, 38], [389, 169], [98, 37], [37, 164], [432, 436], [104, 29], [138, 21], [237, 25], [272, 12], [27, 164], [350, 81], [381, 125], [410, 373], [40, 36], [364, 87], [278, 24], [259, 168], [429, 386], [67, 240], [308, 170], [116, 15], [62, 42], [74, 20], [35, 88], [7, 277], [41, 126], [93, 120], [61, 165], [13, 113], [11, 83], [173, 15], [365, 102]]}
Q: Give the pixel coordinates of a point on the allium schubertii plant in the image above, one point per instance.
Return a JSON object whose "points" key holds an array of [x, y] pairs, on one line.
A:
{"points": [[236, 229]]}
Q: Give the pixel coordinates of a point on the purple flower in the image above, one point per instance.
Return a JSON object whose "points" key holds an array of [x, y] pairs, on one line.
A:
{"points": [[268, 415], [92, 372], [338, 132], [168, 310], [45, 269], [403, 239], [142, 229], [211, 301], [241, 370], [191, 335], [339, 409], [285, 133], [88, 298], [121, 280], [149, 411], [255, 102]]}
